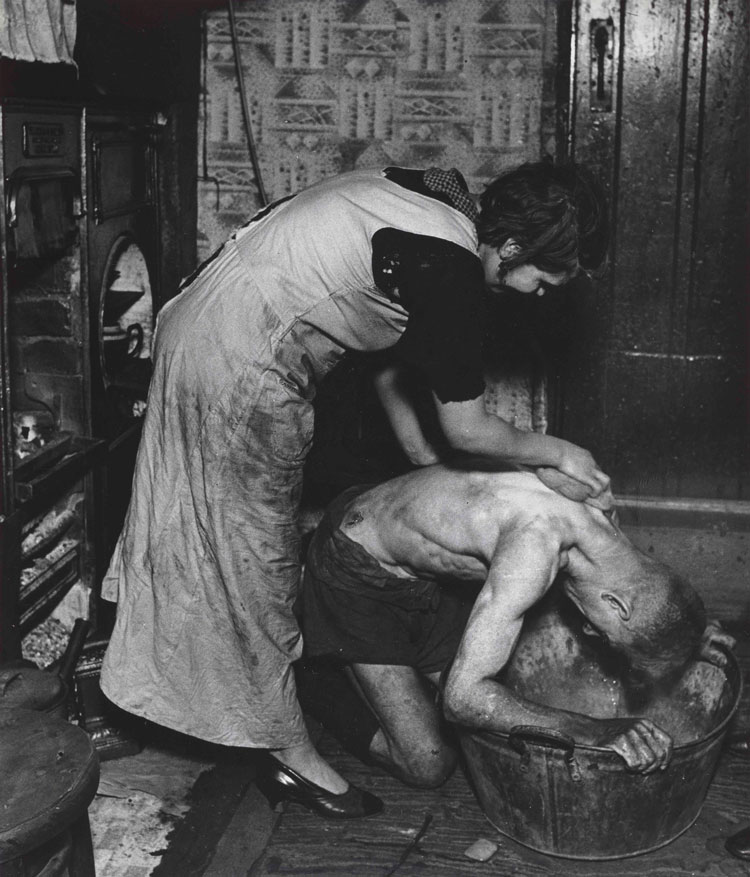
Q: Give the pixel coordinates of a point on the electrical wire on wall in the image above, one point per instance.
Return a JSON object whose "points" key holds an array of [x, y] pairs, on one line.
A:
{"points": [[245, 107]]}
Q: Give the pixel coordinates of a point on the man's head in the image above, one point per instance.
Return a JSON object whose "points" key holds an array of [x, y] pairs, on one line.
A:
{"points": [[552, 217], [666, 626], [651, 616]]}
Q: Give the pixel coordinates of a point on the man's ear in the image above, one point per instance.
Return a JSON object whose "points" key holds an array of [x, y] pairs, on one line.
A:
{"points": [[509, 249], [620, 604]]}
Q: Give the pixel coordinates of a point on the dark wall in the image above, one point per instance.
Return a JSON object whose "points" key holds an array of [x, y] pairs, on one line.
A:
{"points": [[661, 395], [135, 51]]}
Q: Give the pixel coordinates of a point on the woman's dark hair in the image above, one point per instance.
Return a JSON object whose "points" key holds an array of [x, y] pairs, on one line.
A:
{"points": [[557, 214]]}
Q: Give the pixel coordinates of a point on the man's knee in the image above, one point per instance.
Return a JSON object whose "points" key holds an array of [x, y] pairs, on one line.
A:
{"points": [[429, 767]]}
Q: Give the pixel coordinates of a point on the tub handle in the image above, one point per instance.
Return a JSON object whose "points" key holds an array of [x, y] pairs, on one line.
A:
{"points": [[520, 735]]}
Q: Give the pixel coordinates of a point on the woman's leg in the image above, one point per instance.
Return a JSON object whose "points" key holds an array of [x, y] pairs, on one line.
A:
{"points": [[304, 759], [253, 515]]}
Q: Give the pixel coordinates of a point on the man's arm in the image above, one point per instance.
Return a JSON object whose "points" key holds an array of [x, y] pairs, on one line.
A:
{"points": [[522, 570]]}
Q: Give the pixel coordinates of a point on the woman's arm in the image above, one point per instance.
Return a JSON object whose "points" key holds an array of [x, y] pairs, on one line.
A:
{"points": [[469, 428], [392, 391]]}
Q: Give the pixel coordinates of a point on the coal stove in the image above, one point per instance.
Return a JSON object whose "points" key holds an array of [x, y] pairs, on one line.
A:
{"points": [[79, 241]]}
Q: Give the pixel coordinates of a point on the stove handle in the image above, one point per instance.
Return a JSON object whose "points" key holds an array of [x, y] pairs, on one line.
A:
{"points": [[22, 176]]}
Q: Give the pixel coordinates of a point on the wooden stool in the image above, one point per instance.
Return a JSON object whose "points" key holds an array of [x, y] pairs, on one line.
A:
{"points": [[49, 773]]}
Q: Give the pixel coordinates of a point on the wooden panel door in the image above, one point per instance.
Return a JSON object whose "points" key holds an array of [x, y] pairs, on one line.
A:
{"points": [[659, 107]]}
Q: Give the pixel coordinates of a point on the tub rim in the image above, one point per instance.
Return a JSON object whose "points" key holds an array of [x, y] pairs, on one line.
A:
{"points": [[733, 677]]}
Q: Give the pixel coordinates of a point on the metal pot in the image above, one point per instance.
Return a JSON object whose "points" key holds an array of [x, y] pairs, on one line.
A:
{"points": [[551, 794], [122, 346], [23, 685], [27, 687]]}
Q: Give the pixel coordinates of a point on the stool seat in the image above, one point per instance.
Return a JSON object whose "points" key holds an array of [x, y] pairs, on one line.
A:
{"points": [[50, 773]]}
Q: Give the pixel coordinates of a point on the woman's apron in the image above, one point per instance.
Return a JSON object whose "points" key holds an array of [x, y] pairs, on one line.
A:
{"points": [[207, 566]]}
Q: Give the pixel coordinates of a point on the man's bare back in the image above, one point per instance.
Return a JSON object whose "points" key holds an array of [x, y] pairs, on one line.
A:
{"points": [[512, 534], [447, 523]]}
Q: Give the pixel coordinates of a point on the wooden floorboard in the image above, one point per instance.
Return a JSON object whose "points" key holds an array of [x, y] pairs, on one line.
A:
{"points": [[215, 799], [304, 844]]}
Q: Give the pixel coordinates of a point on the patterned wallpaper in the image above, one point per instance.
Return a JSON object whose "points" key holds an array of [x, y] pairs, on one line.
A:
{"points": [[340, 84]]}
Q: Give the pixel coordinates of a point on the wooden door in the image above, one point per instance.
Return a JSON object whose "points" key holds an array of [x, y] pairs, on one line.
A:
{"points": [[659, 106]]}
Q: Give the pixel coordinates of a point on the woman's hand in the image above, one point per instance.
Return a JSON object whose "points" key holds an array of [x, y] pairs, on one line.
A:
{"points": [[392, 388], [421, 455], [579, 464], [576, 490]]}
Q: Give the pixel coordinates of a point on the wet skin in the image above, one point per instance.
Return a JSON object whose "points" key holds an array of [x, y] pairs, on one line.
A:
{"points": [[508, 530]]}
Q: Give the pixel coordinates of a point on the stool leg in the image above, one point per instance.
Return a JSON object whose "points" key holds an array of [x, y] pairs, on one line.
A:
{"points": [[82, 855]]}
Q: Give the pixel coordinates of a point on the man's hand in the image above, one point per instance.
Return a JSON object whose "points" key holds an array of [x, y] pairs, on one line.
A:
{"points": [[642, 744], [715, 639]]}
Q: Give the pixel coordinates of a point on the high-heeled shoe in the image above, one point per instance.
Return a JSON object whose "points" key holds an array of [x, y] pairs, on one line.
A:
{"points": [[280, 783], [739, 844], [739, 743]]}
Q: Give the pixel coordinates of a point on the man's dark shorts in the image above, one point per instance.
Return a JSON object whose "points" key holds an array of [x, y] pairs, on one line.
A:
{"points": [[353, 609]]}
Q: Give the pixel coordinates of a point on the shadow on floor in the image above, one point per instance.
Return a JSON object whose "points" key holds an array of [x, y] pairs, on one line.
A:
{"points": [[168, 809], [428, 832], [213, 822], [389, 844]]}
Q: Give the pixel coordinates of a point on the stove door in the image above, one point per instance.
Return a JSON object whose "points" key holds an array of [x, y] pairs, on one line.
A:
{"points": [[123, 171]]}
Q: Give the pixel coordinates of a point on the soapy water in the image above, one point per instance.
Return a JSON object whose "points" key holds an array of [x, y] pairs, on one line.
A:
{"points": [[555, 663]]}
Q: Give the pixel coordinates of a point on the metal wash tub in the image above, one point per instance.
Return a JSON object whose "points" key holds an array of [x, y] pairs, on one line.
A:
{"points": [[548, 793]]}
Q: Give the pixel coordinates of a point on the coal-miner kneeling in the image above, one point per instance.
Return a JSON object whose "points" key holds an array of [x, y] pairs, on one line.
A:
{"points": [[389, 602]]}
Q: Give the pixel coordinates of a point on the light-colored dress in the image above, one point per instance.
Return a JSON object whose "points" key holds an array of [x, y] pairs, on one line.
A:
{"points": [[207, 567]]}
